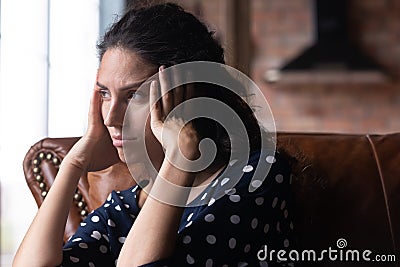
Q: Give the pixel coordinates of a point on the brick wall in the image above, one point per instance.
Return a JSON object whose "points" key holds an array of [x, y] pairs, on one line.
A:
{"points": [[280, 30]]}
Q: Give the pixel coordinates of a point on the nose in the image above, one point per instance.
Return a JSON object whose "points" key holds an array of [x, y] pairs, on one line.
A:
{"points": [[114, 114]]}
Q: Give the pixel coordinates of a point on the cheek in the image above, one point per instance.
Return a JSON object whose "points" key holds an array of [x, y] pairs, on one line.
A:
{"points": [[105, 107], [150, 137], [148, 130], [135, 123]]}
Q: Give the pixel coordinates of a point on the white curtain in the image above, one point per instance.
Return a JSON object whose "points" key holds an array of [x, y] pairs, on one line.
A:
{"points": [[48, 66]]}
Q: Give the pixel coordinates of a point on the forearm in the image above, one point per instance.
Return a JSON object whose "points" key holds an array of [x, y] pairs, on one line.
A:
{"points": [[155, 230], [45, 235]]}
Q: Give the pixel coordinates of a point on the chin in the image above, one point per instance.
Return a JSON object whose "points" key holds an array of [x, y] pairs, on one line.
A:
{"points": [[121, 154]]}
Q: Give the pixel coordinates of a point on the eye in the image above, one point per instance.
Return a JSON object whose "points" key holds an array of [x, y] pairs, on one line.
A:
{"points": [[135, 95], [104, 93]]}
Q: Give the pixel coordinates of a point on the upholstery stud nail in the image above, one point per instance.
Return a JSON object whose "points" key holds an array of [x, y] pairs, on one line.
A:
{"points": [[39, 178], [36, 170], [42, 186], [77, 196], [56, 161], [44, 193], [41, 155], [84, 213], [49, 156], [81, 204]]}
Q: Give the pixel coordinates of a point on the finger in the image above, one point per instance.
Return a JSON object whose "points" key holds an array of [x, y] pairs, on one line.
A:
{"points": [[189, 94], [95, 108], [155, 105], [179, 90], [166, 94]]}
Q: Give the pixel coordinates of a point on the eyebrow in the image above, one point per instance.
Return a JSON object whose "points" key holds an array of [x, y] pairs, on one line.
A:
{"points": [[126, 87]]}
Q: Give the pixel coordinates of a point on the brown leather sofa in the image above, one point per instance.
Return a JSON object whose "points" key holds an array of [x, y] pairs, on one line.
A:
{"points": [[344, 186]]}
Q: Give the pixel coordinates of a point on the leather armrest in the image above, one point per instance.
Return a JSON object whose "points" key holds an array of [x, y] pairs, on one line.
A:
{"points": [[41, 165]]}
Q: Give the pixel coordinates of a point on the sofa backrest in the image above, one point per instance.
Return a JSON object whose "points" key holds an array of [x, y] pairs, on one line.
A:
{"points": [[344, 187]]}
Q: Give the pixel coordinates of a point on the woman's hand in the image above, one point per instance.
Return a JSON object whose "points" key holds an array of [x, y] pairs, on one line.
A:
{"points": [[167, 198], [171, 131], [94, 151]]}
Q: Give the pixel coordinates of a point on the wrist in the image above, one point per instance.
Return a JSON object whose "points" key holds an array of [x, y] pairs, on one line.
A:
{"points": [[73, 162], [79, 155], [171, 172], [172, 185]]}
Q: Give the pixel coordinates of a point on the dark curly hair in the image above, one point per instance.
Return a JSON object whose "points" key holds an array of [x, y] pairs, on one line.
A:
{"points": [[164, 34]]}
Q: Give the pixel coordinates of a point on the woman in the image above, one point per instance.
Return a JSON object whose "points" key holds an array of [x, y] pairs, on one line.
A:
{"points": [[134, 228]]}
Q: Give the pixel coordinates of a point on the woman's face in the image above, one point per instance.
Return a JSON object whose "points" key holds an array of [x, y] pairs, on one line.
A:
{"points": [[120, 74]]}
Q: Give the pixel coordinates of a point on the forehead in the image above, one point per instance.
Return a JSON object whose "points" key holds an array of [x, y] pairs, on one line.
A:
{"points": [[120, 65]]}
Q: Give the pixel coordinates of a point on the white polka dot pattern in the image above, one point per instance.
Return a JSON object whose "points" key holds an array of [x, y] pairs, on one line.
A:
{"points": [[83, 245], [103, 249], [254, 223], [232, 162], [248, 168], [96, 235], [190, 259], [230, 191], [259, 201], [235, 219], [209, 263], [110, 223], [224, 181], [238, 222], [232, 243], [209, 217], [274, 202], [270, 159], [266, 228], [211, 239], [74, 259], [279, 178], [212, 200], [286, 243], [186, 239], [234, 198], [256, 183]]}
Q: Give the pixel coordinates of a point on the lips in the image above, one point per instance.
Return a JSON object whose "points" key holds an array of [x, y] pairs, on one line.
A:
{"points": [[118, 141]]}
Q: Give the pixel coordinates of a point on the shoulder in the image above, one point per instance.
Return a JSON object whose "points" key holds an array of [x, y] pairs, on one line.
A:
{"points": [[124, 201], [262, 170], [260, 173]]}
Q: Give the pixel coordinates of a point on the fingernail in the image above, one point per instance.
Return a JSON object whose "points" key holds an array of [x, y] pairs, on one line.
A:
{"points": [[162, 68]]}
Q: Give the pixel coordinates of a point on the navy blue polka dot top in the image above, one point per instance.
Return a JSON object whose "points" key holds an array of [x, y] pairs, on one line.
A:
{"points": [[235, 216]]}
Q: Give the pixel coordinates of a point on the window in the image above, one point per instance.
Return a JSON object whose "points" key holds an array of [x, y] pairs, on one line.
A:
{"points": [[48, 66]]}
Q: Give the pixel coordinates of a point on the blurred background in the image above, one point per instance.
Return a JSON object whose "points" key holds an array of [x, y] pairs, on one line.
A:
{"points": [[324, 66]]}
